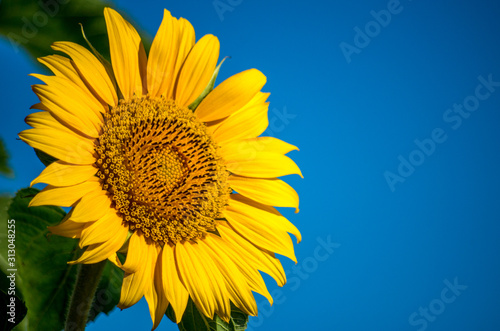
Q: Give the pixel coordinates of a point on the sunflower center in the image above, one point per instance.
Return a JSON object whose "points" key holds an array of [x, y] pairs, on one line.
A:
{"points": [[162, 170]]}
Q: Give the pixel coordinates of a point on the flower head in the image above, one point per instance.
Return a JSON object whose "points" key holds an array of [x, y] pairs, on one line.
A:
{"points": [[154, 166]]}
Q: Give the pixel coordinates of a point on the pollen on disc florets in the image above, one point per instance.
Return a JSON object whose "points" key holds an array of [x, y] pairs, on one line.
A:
{"points": [[161, 169]]}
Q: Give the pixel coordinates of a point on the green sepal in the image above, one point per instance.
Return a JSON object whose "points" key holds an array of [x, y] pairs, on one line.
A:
{"points": [[209, 87], [107, 65], [239, 319], [194, 320], [44, 157]]}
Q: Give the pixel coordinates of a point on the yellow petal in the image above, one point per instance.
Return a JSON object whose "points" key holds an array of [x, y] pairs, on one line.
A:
{"points": [[135, 285], [202, 279], [92, 206], [40, 106], [155, 296], [248, 270], [269, 191], [251, 163], [236, 284], [254, 256], [175, 291], [59, 173], [169, 50], [213, 126], [70, 105], [271, 144], [186, 42], [231, 95], [63, 67], [248, 122], [98, 252], [91, 70], [250, 273], [260, 234], [70, 148], [63, 86], [67, 229], [197, 70], [101, 230], [135, 253], [252, 146], [44, 120], [63, 196], [263, 214], [128, 57], [163, 55], [113, 258]]}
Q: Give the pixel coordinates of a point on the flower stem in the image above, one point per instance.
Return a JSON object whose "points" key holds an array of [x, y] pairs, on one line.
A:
{"points": [[87, 280]]}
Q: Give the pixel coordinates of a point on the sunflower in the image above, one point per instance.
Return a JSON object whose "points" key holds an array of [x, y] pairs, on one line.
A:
{"points": [[153, 166]]}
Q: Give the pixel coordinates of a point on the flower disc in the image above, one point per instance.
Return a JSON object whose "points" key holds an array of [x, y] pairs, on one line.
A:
{"points": [[161, 169]]}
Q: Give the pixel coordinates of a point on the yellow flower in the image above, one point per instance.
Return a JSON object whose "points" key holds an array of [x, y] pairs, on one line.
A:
{"points": [[188, 195]]}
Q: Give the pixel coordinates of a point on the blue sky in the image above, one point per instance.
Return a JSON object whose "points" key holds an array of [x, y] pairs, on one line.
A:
{"points": [[395, 107]]}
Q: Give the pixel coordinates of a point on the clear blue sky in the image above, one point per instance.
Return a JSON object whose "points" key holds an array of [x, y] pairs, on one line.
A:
{"points": [[397, 122]]}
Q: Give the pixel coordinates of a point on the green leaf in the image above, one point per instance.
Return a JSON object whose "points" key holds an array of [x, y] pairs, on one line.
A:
{"points": [[5, 200], [43, 278], [4, 161], [35, 25], [208, 88], [194, 320]]}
